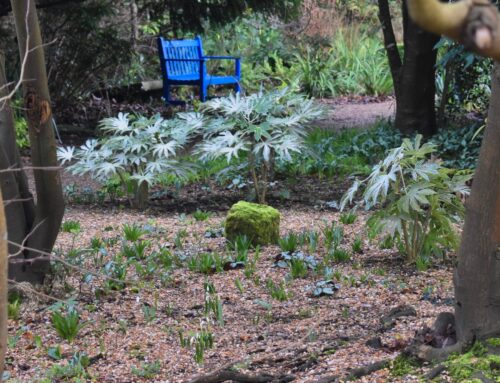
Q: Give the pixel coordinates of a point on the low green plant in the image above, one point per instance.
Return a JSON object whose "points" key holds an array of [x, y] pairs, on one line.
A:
{"points": [[71, 226], [333, 234], [201, 340], [312, 239], [298, 268], [147, 370], [277, 291], [357, 245], [179, 238], [149, 313], [239, 285], [251, 265], [241, 246], [74, 370], [422, 263], [133, 232], [348, 218], [14, 308], [420, 200], [339, 255], [213, 305], [67, 324], [402, 366], [289, 243], [116, 269], [201, 215], [206, 263]]}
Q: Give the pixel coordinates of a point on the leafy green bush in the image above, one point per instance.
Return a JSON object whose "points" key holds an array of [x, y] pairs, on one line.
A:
{"points": [[419, 199], [459, 147], [264, 126], [138, 150], [467, 78], [347, 152], [353, 63]]}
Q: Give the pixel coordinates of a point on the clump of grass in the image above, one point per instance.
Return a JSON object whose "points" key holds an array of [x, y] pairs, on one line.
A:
{"points": [[357, 245], [298, 268], [348, 218], [201, 215], [289, 243], [277, 292], [206, 263]]}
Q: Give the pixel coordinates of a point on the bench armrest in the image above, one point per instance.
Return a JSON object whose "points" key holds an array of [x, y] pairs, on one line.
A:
{"points": [[192, 60], [221, 58]]}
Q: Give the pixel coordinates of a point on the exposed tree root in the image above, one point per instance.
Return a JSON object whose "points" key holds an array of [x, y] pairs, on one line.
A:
{"points": [[357, 373], [228, 374]]}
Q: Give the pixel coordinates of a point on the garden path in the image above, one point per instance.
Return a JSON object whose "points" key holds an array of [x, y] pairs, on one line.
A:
{"points": [[349, 114]]}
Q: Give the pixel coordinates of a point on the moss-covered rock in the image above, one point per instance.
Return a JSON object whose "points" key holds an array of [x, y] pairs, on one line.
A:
{"points": [[260, 223]]}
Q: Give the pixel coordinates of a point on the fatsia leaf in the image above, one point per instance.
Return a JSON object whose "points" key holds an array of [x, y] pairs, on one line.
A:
{"points": [[378, 187], [415, 197], [424, 170], [65, 154], [349, 195], [165, 149], [118, 124]]}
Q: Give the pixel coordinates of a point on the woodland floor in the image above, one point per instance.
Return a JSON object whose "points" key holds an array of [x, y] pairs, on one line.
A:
{"points": [[306, 337]]}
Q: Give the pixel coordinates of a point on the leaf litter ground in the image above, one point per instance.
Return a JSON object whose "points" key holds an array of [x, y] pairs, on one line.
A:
{"points": [[305, 336]]}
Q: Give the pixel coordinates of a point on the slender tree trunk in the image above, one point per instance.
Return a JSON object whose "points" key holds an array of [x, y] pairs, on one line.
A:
{"points": [[19, 211], [414, 76], [3, 287], [391, 45], [49, 201], [477, 278], [134, 34], [415, 106]]}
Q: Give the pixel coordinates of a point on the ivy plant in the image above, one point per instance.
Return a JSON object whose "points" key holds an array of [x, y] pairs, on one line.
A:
{"points": [[137, 149], [264, 126], [419, 199]]}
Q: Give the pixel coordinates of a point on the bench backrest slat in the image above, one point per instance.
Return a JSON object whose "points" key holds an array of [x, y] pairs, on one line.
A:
{"points": [[181, 49]]}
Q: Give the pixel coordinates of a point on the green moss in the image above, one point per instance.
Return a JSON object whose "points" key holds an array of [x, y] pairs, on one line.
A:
{"points": [[260, 223], [493, 342], [462, 368], [402, 366]]}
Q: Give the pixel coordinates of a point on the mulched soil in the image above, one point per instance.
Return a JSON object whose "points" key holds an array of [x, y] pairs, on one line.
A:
{"points": [[305, 336]]}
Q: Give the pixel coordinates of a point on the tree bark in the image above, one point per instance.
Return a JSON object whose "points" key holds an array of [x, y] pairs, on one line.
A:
{"points": [[19, 211], [49, 201], [477, 278], [390, 43], [414, 76], [3, 287], [415, 109]]}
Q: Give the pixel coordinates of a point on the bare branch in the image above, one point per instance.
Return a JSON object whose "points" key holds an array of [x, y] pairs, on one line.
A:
{"points": [[45, 255]]}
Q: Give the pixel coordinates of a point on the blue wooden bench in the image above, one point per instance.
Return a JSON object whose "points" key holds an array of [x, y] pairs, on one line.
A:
{"points": [[183, 63]]}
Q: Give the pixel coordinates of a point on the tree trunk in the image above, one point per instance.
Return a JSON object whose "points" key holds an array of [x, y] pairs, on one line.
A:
{"points": [[49, 201], [390, 43], [415, 109], [414, 76], [19, 210], [3, 287], [477, 278]]}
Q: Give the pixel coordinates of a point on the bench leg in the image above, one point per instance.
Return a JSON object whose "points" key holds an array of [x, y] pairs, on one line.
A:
{"points": [[203, 92], [237, 88], [166, 93]]}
